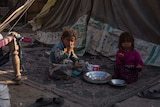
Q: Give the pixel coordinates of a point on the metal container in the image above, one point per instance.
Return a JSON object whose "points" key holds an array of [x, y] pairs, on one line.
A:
{"points": [[98, 77], [118, 82], [4, 96]]}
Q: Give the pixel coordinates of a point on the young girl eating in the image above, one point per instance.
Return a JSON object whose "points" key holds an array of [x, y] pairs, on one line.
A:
{"points": [[128, 60]]}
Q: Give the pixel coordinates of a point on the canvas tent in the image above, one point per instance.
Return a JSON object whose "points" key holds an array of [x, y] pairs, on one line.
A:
{"points": [[140, 17], [99, 23], [19, 12]]}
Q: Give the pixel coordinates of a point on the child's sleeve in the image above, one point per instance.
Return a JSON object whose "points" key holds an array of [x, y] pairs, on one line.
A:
{"points": [[138, 59], [57, 55]]}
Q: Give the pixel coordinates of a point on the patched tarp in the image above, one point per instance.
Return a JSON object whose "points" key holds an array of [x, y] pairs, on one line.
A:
{"points": [[98, 24], [62, 13], [140, 17]]}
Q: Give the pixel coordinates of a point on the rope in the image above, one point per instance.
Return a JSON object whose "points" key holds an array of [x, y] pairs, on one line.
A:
{"points": [[21, 16], [16, 13]]}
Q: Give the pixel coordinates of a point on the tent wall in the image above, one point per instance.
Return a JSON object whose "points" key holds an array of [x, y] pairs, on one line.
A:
{"points": [[35, 9], [140, 17], [99, 23], [8, 6], [65, 12]]}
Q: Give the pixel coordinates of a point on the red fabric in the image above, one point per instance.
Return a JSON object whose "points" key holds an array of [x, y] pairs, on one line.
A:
{"points": [[131, 57], [6, 40], [130, 75]]}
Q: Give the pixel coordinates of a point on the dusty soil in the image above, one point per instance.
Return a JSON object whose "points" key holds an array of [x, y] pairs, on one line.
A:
{"points": [[24, 95]]}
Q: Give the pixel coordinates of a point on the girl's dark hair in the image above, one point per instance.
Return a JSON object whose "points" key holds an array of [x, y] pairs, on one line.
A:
{"points": [[126, 37], [68, 32]]}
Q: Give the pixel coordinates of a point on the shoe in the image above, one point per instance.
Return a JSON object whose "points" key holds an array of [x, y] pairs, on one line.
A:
{"points": [[41, 102], [57, 102], [150, 95]]}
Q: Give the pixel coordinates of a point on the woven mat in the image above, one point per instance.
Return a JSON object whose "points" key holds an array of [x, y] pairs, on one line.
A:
{"points": [[35, 61]]}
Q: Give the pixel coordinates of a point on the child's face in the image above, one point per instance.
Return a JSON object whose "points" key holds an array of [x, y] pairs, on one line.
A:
{"points": [[69, 41], [126, 45]]}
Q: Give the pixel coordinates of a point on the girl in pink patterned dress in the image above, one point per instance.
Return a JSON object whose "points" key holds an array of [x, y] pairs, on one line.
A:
{"points": [[128, 60]]}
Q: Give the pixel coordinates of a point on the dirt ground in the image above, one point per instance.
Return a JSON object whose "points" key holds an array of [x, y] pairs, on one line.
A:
{"points": [[24, 95]]}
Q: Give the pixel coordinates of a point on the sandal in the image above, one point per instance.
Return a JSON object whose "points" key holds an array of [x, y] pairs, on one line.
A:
{"points": [[56, 102], [150, 95], [44, 101], [41, 102]]}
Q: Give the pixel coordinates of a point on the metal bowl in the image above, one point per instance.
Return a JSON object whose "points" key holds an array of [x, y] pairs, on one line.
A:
{"points": [[118, 82], [98, 77]]}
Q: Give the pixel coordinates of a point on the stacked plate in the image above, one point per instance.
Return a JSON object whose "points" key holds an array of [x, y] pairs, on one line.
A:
{"points": [[117, 82], [101, 77]]}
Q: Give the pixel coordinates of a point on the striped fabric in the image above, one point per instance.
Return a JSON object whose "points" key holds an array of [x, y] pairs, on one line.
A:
{"points": [[6, 40]]}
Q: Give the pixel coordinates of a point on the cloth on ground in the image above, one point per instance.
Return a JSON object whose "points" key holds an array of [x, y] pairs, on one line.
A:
{"points": [[61, 71]]}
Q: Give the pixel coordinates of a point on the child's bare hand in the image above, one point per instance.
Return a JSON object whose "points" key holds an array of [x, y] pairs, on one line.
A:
{"points": [[139, 67], [69, 49], [121, 56]]}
